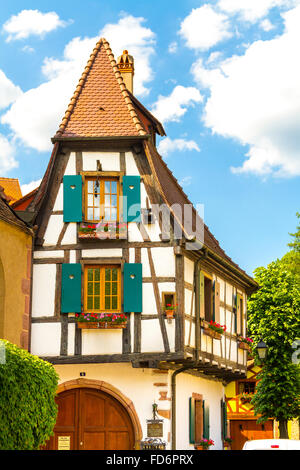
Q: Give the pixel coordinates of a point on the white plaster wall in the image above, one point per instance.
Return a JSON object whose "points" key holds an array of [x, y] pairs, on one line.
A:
{"points": [[70, 237], [101, 341], [212, 392], [131, 255], [59, 202], [170, 327], [153, 231], [71, 339], [149, 304], [71, 166], [48, 254], [43, 290], [145, 262], [189, 305], [222, 290], [45, 339], [133, 233], [166, 287], [164, 261], [110, 161], [188, 270], [131, 168], [102, 253], [72, 256], [53, 230], [151, 337]]}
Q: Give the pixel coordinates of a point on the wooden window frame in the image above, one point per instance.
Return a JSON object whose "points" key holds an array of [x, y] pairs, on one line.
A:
{"points": [[102, 177], [208, 277], [163, 299], [102, 268]]}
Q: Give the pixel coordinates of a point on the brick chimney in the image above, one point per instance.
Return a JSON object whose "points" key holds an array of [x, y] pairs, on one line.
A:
{"points": [[126, 66]]}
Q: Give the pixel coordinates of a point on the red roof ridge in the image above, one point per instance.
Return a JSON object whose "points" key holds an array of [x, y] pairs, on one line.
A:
{"points": [[124, 92]]}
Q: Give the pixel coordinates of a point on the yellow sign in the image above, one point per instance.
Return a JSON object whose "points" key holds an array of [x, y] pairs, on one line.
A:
{"points": [[64, 442]]}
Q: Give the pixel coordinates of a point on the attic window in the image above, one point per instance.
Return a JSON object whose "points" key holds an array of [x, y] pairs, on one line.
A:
{"points": [[101, 199]]}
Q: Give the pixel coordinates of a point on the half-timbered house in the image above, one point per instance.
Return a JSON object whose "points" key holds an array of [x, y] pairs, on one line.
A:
{"points": [[122, 300]]}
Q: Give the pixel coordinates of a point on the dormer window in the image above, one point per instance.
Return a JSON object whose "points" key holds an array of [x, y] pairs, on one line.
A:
{"points": [[101, 199]]}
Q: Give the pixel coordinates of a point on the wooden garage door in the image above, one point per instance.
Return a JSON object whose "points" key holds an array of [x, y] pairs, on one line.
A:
{"points": [[248, 430], [91, 420]]}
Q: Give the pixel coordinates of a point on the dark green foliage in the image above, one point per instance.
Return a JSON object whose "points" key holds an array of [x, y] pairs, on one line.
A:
{"points": [[274, 316], [27, 399]]}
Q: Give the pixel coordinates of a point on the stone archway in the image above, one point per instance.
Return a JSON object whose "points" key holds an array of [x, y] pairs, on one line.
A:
{"points": [[113, 396]]}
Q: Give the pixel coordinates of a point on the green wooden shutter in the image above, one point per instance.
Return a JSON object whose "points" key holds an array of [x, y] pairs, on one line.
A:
{"points": [[238, 314], [133, 287], [235, 312], [224, 418], [72, 198], [71, 288], [132, 198], [201, 292], [217, 301], [192, 420], [205, 420]]}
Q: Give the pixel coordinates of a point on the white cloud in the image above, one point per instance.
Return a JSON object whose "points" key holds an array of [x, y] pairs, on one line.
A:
{"points": [[167, 146], [255, 99], [8, 91], [7, 155], [204, 28], [266, 25], [173, 46], [129, 33], [252, 10], [28, 187], [31, 23], [174, 106], [28, 49], [185, 181], [35, 115]]}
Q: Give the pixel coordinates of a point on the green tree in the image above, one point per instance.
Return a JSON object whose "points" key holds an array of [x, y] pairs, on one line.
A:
{"points": [[274, 316], [27, 399], [291, 259]]}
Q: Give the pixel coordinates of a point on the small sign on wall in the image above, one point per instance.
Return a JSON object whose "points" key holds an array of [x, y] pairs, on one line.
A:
{"points": [[64, 443], [155, 428]]}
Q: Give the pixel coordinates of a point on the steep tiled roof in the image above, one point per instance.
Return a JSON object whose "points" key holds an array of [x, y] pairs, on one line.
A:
{"points": [[22, 203], [11, 188], [8, 215], [101, 105], [174, 194]]}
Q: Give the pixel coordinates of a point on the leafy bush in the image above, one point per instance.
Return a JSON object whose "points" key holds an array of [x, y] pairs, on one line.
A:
{"points": [[27, 399]]}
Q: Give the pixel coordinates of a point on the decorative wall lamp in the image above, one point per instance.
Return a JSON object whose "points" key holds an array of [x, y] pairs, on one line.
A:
{"points": [[262, 349]]}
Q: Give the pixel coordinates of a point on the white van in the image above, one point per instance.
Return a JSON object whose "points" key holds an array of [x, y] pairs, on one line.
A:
{"points": [[272, 444]]}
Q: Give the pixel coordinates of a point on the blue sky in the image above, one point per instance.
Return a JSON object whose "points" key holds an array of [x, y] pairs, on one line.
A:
{"points": [[223, 76]]}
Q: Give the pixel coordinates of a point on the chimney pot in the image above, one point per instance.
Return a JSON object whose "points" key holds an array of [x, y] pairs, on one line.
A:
{"points": [[125, 63]]}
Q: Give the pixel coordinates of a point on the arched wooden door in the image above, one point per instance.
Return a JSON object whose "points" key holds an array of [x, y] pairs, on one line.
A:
{"points": [[89, 419]]}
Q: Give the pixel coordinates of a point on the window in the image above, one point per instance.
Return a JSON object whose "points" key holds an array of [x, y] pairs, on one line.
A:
{"points": [[101, 199], [247, 387], [198, 420], [208, 298], [168, 300], [102, 288]]}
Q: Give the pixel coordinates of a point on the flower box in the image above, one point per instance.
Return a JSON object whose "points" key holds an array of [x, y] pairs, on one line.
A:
{"points": [[246, 398], [212, 333], [243, 345], [111, 321], [102, 230], [100, 325]]}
